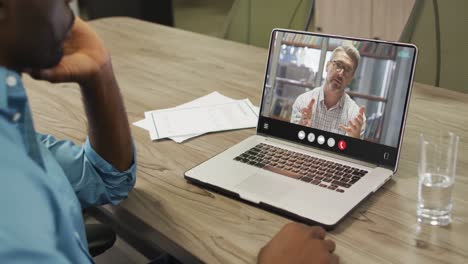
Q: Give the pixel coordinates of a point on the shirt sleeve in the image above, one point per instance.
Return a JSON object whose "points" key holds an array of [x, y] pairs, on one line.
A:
{"points": [[363, 128], [296, 114], [302, 101], [299, 104], [94, 180]]}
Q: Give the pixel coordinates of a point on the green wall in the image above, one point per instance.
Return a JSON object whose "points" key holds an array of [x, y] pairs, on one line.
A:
{"points": [[251, 21], [453, 16]]}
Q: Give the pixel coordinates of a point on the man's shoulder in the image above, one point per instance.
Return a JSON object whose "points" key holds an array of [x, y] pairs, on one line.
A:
{"points": [[29, 205], [14, 158], [315, 91], [309, 94], [9, 134], [21, 176]]}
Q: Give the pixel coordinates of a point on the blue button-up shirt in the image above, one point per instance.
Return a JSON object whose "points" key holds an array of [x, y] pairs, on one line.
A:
{"points": [[45, 183]]}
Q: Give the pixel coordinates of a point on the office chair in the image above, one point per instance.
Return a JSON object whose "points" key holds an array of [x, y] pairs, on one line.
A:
{"points": [[100, 237]]}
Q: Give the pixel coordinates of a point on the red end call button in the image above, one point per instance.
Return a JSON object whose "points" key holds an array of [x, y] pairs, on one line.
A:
{"points": [[342, 145]]}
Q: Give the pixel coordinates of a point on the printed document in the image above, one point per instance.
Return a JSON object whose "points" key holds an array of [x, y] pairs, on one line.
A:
{"points": [[185, 121]]}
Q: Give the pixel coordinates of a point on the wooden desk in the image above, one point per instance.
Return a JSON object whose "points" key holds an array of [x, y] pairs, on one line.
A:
{"points": [[160, 67]]}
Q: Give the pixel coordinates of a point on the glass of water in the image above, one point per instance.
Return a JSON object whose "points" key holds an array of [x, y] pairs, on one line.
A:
{"points": [[437, 168]]}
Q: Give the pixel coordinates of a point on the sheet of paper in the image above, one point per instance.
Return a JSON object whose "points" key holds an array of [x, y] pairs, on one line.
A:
{"points": [[210, 99], [144, 123], [186, 121]]}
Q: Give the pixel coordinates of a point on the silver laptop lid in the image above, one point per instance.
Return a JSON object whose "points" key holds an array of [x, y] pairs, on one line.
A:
{"points": [[341, 94]]}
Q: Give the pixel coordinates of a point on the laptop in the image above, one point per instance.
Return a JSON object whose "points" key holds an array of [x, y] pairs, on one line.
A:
{"points": [[330, 127]]}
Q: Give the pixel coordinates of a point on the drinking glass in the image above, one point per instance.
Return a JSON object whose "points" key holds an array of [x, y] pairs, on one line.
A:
{"points": [[437, 169]]}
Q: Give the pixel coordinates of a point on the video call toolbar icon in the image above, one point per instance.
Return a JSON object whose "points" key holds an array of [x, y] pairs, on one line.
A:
{"points": [[331, 142], [342, 145], [311, 137], [386, 155], [301, 135], [321, 140]]}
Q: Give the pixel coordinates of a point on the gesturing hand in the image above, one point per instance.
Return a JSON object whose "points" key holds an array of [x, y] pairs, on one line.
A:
{"points": [[306, 114], [355, 125], [84, 57], [298, 243]]}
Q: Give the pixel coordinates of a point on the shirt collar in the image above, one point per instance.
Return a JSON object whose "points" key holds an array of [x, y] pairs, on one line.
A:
{"points": [[321, 98], [9, 81]]}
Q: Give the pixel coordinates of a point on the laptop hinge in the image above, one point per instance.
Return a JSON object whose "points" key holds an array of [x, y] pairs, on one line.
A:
{"points": [[249, 198], [321, 152]]}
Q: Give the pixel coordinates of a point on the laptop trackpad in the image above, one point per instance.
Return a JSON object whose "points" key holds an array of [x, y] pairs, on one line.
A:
{"points": [[261, 186]]}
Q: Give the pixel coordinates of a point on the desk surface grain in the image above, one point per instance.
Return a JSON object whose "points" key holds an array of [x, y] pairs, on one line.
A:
{"points": [[159, 67]]}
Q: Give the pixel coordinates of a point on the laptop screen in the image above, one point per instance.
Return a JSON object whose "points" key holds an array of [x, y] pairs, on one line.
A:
{"points": [[340, 94]]}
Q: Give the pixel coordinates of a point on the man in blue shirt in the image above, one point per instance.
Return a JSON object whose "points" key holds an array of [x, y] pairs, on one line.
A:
{"points": [[45, 182]]}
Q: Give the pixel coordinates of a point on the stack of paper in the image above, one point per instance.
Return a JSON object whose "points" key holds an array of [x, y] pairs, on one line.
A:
{"points": [[210, 113]]}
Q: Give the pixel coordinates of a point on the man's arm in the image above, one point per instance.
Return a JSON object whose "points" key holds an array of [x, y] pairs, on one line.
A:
{"points": [[103, 169], [109, 132], [296, 112], [356, 125], [88, 63], [302, 110], [94, 180]]}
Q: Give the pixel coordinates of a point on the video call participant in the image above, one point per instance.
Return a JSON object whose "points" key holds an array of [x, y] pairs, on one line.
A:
{"points": [[328, 107]]}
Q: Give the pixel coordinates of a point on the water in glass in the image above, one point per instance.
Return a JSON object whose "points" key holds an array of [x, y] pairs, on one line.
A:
{"points": [[435, 199]]}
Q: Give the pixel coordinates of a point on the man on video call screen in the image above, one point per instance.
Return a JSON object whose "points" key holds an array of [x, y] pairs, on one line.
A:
{"points": [[353, 88], [328, 107]]}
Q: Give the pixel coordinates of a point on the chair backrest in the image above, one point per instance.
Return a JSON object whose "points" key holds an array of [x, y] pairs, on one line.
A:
{"points": [[422, 30], [251, 21], [74, 7], [158, 11]]}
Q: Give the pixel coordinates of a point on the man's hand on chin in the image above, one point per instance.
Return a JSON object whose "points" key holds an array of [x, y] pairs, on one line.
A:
{"points": [[85, 59], [87, 62]]}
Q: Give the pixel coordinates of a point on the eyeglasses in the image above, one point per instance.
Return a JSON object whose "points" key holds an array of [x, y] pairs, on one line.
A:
{"points": [[340, 66]]}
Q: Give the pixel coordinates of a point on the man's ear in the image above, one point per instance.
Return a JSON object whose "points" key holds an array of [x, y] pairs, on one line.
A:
{"points": [[326, 65]]}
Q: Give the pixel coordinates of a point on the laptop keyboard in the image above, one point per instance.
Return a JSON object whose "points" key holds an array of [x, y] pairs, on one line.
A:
{"points": [[326, 174]]}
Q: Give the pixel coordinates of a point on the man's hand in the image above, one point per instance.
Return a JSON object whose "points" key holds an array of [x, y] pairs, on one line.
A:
{"points": [[306, 114], [355, 125], [87, 62], [298, 243], [85, 58]]}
